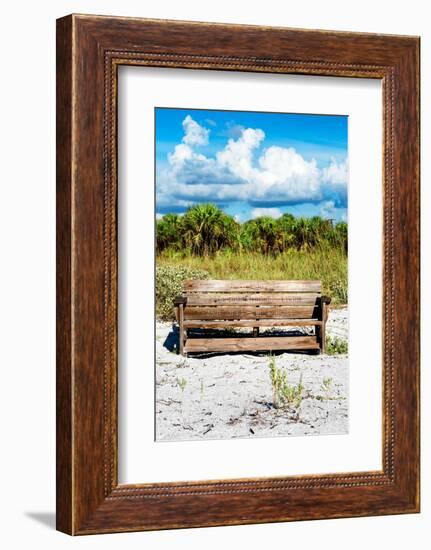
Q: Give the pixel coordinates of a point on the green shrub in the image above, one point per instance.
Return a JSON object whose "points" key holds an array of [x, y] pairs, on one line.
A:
{"points": [[284, 394], [338, 290], [169, 283], [336, 346]]}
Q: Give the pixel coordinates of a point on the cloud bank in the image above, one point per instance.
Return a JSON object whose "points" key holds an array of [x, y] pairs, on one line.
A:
{"points": [[244, 170]]}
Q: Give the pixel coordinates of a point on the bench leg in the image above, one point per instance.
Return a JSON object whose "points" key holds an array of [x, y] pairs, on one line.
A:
{"points": [[322, 328], [318, 333], [181, 329]]}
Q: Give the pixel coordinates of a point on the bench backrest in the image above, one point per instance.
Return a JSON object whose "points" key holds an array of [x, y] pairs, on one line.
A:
{"points": [[238, 299]]}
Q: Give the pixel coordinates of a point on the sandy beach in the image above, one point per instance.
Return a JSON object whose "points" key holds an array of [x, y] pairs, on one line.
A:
{"points": [[230, 396]]}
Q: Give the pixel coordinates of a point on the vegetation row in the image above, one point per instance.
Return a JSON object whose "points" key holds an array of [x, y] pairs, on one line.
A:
{"points": [[205, 229]]}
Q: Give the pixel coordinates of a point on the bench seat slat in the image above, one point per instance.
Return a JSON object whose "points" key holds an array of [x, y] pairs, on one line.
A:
{"points": [[250, 312], [250, 344], [238, 299], [215, 285], [254, 323]]}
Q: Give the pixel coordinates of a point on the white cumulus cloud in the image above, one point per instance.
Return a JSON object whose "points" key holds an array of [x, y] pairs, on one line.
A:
{"points": [[237, 156], [194, 133], [272, 212], [336, 174], [245, 171], [327, 209]]}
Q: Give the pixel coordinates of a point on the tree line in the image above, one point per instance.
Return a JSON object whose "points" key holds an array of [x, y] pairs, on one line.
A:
{"points": [[205, 229]]}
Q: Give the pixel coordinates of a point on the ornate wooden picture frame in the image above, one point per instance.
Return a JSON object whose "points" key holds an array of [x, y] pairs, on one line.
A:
{"points": [[89, 51]]}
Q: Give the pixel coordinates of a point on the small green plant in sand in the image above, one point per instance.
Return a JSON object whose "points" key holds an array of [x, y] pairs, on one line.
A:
{"points": [[327, 386], [328, 391], [327, 383], [336, 346], [182, 382], [284, 394]]}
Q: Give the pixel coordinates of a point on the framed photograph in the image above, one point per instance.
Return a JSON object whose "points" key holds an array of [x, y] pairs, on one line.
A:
{"points": [[237, 274]]}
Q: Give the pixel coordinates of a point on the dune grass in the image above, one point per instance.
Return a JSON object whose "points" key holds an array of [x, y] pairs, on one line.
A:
{"points": [[327, 264]]}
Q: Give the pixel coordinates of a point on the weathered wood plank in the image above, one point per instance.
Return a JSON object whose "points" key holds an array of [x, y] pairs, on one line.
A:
{"points": [[250, 312], [227, 298], [254, 323], [181, 323], [214, 285], [250, 344], [324, 313]]}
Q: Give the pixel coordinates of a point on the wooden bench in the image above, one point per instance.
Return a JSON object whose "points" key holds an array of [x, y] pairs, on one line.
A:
{"points": [[221, 304]]}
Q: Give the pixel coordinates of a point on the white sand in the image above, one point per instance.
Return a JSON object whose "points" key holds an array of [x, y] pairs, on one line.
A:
{"points": [[229, 396]]}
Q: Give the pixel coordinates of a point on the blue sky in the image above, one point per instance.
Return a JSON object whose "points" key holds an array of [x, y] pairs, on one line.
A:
{"points": [[251, 163]]}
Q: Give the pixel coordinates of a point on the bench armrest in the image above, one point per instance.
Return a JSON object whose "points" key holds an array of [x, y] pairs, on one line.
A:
{"points": [[325, 299], [180, 300]]}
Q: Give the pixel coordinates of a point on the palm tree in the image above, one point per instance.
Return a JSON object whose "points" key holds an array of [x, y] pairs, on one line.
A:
{"points": [[311, 232], [340, 235], [301, 231], [286, 222], [207, 229], [265, 235], [168, 232]]}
